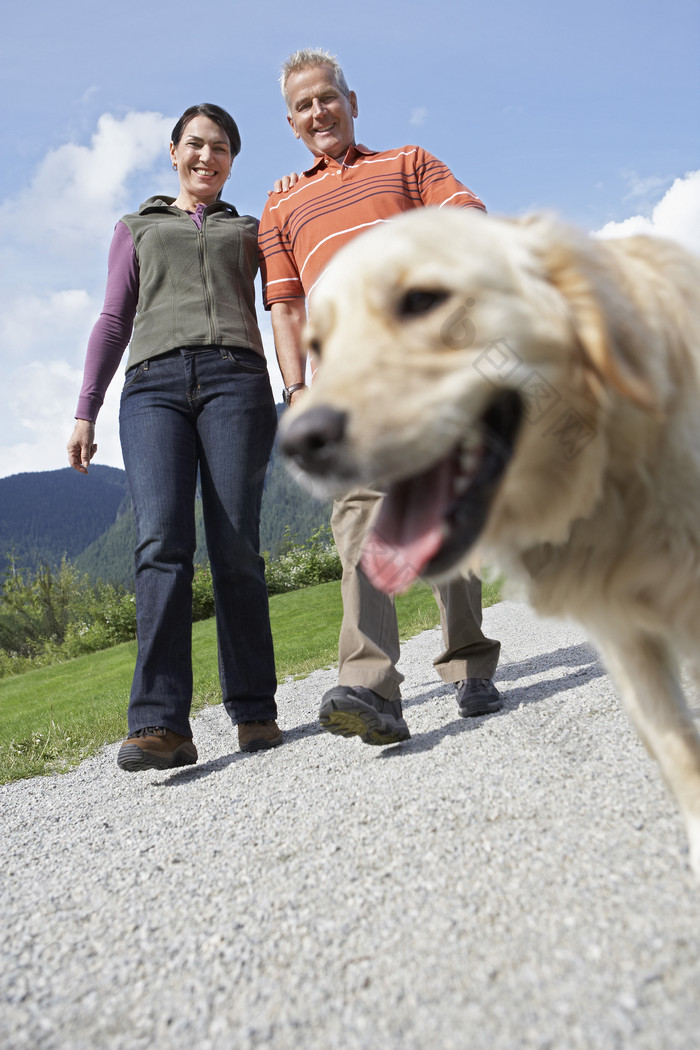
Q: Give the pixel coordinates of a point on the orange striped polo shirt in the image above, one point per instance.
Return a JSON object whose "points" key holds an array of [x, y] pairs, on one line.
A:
{"points": [[301, 230]]}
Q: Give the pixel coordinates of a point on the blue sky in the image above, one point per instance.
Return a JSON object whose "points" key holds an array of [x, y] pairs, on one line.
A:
{"points": [[588, 109]]}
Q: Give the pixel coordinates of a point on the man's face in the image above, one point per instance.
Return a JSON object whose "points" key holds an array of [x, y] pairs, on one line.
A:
{"points": [[319, 113]]}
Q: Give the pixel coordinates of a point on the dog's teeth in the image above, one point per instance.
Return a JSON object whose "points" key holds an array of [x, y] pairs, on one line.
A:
{"points": [[469, 460], [461, 485]]}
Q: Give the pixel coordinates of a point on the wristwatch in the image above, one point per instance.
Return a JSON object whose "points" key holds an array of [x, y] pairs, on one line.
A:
{"points": [[289, 390]]}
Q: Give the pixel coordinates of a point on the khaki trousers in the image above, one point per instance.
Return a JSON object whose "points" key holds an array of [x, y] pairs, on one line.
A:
{"points": [[368, 649]]}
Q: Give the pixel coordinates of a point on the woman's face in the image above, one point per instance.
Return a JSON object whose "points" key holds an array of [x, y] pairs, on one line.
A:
{"points": [[203, 160]]}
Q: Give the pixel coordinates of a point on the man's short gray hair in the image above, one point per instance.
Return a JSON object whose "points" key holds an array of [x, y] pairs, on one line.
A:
{"points": [[309, 58]]}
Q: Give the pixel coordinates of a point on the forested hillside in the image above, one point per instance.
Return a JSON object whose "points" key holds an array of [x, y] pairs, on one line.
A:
{"points": [[49, 514], [285, 507]]}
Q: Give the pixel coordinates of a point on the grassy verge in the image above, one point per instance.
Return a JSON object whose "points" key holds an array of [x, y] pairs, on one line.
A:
{"points": [[53, 717]]}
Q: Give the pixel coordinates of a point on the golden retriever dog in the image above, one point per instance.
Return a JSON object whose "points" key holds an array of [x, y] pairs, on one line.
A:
{"points": [[529, 397]]}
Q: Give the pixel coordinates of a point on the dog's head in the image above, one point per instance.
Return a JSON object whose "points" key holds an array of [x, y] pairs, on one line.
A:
{"points": [[466, 366]]}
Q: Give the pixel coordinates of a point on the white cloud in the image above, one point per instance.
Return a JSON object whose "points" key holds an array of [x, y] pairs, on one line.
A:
{"points": [[44, 340], [57, 324], [57, 230], [642, 188], [88, 94], [83, 189], [419, 116], [34, 437], [677, 215]]}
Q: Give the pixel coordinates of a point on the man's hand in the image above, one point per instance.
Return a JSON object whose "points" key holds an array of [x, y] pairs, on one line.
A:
{"points": [[81, 445], [284, 184]]}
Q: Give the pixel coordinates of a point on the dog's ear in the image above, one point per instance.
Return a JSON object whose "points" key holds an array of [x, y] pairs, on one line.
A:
{"points": [[602, 347]]}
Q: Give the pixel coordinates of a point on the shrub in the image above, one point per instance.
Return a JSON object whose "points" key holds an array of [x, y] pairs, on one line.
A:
{"points": [[38, 609], [304, 564], [55, 616], [202, 593], [107, 620]]}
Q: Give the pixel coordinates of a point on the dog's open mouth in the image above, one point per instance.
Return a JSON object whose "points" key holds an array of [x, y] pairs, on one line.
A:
{"points": [[428, 522]]}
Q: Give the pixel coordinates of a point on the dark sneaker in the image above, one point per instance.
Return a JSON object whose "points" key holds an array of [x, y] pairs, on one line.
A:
{"points": [[156, 748], [357, 711], [258, 736], [477, 696]]}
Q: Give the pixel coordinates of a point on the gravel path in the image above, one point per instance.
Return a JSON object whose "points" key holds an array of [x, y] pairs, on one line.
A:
{"points": [[511, 882]]}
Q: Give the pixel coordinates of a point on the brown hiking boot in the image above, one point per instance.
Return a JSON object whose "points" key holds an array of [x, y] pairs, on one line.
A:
{"points": [[258, 736], [156, 748]]}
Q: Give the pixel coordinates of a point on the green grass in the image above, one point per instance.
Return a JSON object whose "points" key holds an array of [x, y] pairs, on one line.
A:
{"points": [[53, 717]]}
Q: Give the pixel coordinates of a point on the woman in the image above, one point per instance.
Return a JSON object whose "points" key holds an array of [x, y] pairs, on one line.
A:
{"points": [[196, 396]]}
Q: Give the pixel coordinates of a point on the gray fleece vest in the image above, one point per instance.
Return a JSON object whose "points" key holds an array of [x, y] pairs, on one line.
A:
{"points": [[196, 287]]}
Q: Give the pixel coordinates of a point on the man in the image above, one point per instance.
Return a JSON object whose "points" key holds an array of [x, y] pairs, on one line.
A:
{"points": [[347, 189]]}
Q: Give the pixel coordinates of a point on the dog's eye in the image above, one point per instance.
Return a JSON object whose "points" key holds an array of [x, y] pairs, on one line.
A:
{"points": [[314, 346], [421, 301]]}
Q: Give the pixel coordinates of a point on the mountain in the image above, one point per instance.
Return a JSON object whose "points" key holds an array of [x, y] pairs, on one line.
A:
{"points": [[49, 514]]}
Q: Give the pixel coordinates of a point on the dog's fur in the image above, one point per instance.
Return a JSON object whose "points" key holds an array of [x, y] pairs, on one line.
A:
{"points": [[591, 351]]}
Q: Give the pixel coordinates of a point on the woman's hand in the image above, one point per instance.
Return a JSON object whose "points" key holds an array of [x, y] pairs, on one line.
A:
{"points": [[81, 445], [284, 184]]}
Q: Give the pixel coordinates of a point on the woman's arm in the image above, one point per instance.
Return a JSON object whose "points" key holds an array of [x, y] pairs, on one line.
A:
{"points": [[106, 345], [113, 327]]}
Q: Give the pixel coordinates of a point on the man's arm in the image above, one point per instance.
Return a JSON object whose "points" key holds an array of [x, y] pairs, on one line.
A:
{"points": [[288, 320], [438, 186]]}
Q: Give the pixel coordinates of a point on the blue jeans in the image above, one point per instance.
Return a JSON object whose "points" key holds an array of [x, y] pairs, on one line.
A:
{"points": [[210, 409]]}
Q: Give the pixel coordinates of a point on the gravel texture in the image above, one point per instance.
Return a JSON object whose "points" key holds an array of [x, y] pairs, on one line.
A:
{"points": [[516, 881]]}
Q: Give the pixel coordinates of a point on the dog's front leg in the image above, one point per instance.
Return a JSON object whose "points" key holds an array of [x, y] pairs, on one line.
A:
{"points": [[645, 672]]}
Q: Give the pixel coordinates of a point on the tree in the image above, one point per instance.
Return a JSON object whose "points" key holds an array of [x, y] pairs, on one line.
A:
{"points": [[36, 609]]}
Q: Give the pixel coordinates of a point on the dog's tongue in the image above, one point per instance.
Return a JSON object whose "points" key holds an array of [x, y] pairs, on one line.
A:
{"points": [[409, 530]]}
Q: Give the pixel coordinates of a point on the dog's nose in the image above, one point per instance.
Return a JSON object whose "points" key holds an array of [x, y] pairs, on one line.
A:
{"points": [[312, 439]]}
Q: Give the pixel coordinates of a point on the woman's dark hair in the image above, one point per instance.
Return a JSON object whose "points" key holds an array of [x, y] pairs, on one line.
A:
{"points": [[215, 113]]}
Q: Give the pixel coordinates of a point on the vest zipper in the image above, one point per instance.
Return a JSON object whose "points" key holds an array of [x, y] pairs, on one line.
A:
{"points": [[204, 262]]}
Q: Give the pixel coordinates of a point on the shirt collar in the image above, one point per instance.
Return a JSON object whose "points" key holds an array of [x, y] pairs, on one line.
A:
{"points": [[349, 159], [161, 203]]}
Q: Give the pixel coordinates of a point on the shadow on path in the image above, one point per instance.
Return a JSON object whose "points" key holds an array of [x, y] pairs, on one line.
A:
{"points": [[573, 656], [582, 656], [189, 774]]}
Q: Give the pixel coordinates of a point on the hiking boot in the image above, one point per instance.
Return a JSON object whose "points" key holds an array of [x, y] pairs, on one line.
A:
{"points": [[357, 711], [259, 735], [156, 748], [477, 696]]}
